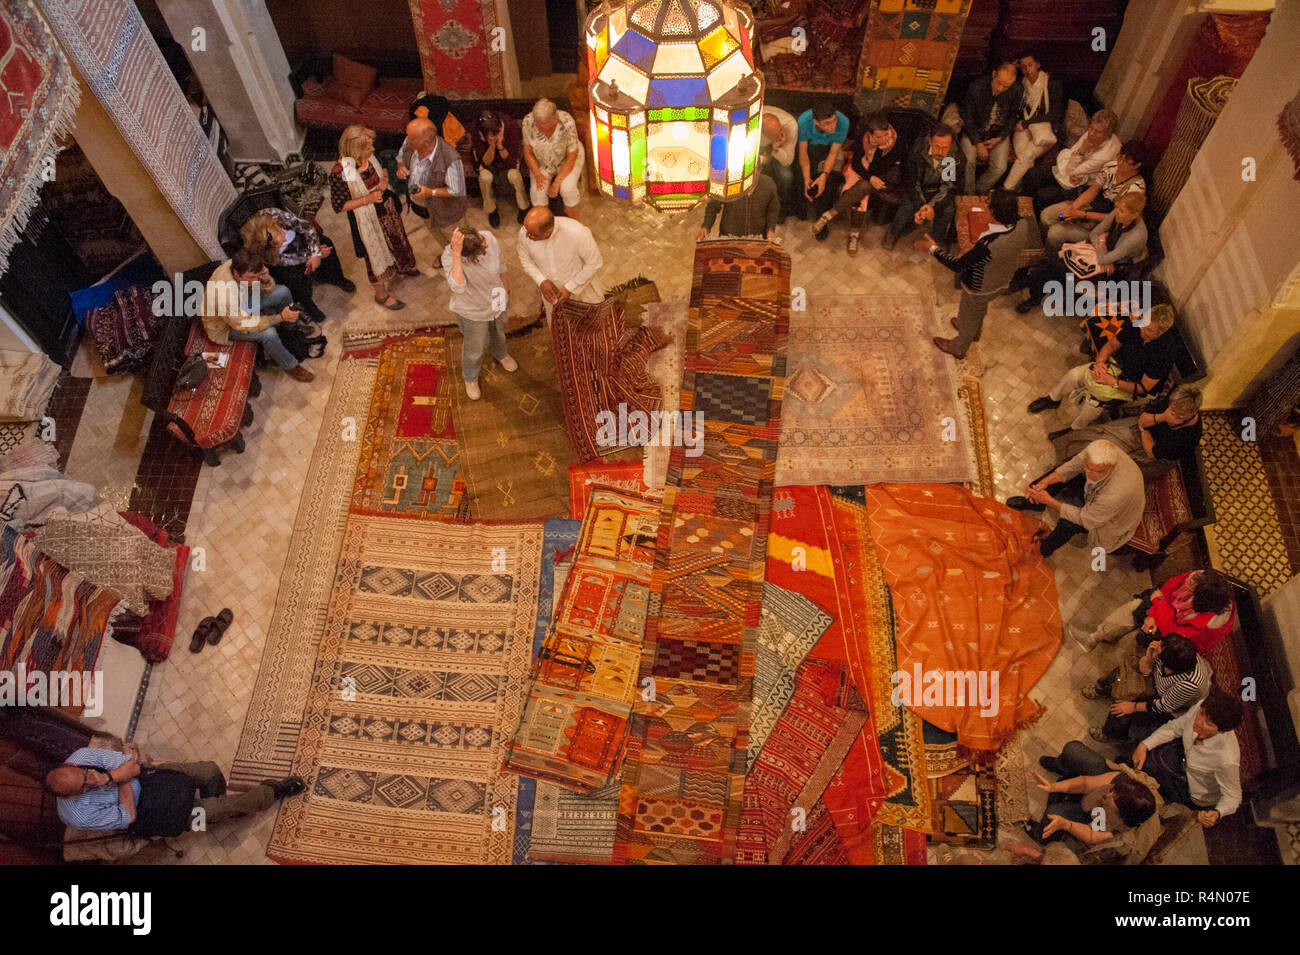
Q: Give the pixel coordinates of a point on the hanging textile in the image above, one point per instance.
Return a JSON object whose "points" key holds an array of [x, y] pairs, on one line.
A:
{"points": [[908, 53], [1223, 46], [40, 99], [121, 63], [456, 40], [1202, 104]]}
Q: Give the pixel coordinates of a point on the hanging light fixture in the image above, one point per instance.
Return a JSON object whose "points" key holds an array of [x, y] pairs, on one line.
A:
{"points": [[675, 101]]}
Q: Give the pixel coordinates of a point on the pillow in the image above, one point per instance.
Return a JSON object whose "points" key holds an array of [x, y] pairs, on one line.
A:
{"points": [[351, 82]]}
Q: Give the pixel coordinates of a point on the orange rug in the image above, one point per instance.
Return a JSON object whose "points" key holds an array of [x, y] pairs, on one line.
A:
{"points": [[977, 615]]}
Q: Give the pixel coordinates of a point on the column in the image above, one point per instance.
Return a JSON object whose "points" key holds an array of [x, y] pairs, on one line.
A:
{"points": [[244, 73]]}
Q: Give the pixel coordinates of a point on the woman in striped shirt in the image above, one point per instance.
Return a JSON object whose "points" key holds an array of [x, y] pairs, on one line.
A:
{"points": [[1181, 678]]}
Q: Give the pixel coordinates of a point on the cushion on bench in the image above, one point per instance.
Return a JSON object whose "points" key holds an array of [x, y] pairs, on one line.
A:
{"points": [[386, 108], [1167, 507], [214, 410]]}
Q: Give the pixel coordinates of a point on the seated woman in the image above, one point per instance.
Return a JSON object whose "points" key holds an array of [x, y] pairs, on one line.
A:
{"points": [[1124, 802], [1197, 605], [1180, 676], [1071, 221], [297, 254], [1119, 238], [1133, 364], [1168, 430]]}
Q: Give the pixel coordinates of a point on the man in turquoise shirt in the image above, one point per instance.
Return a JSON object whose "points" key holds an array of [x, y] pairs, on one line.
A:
{"points": [[822, 131]]}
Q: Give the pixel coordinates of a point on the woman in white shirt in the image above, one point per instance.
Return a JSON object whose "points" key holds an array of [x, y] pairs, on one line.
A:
{"points": [[476, 274]]}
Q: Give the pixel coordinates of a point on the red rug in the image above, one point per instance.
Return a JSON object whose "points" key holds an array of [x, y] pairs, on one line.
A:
{"points": [[460, 54]]}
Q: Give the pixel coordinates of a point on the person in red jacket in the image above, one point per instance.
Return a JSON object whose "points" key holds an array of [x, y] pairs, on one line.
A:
{"points": [[1198, 605]]}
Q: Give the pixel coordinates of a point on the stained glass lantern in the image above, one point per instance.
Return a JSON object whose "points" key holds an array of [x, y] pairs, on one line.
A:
{"points": [[675, 101]]}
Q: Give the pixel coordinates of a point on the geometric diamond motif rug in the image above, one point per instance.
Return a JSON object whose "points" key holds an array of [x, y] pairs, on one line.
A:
{"points": [[868, 398], [514, 448], [419, 673]]}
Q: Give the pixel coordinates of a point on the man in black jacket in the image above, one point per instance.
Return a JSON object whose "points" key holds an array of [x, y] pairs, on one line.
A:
{"points": [[988, 115], [874, 155], [985, 271], [931, 174], [754, 214]]}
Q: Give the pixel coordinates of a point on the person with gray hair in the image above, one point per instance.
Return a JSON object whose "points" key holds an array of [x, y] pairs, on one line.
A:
{"points": [[1075, 165], [1110, 494], [554, 155], [1168, 430]]}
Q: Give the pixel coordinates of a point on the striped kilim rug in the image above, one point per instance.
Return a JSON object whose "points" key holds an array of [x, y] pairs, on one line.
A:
{"points": [[684, 775], [400, 645]]}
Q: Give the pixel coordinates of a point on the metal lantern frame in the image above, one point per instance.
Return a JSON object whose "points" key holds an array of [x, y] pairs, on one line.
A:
{"points": [[675, 72]]}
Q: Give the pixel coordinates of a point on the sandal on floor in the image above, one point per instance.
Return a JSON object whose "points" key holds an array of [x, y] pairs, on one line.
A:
{"points": [[219, 625], [397, 305], [201, 634]]}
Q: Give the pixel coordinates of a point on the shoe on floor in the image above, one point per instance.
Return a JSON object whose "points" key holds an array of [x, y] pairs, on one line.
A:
{"points": [[1098, 736], [200, 636], [397, 305], [945, 345], [1028, 305], [822, 229], [220, 624], [853, 243], [1082, 637], [1021, 503], [289, 786], [299, 373], [494, 218], [471, 389], [889, 240], [346, 285], [1043, 403], [1089, 692], [1051, 764], [509, 364]]}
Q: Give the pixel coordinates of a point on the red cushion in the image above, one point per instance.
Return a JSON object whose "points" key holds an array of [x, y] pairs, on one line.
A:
{"points": [[1167, 507], [385, 110], [352, 81]]}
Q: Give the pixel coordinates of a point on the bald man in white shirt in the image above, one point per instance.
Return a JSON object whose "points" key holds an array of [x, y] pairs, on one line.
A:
{"points": [[562, 257]]}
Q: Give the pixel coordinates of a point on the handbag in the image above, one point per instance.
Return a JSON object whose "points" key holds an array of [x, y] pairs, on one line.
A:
{"points": [[1132, 683], [193, 372]]}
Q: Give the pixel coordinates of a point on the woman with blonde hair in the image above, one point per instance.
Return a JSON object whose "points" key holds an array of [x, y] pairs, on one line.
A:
{"points": [[359, 187], [297, 253]]}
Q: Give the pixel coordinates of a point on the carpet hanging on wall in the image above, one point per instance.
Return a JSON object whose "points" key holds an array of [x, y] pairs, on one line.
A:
{"points": [[909, 51], [113, 49], [457, 40], [41, 99]]}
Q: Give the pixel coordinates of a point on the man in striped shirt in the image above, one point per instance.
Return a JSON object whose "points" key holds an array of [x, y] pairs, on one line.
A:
{"points": [[1181, 677]]}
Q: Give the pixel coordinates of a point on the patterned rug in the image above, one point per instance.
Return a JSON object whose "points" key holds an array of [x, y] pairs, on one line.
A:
{"points": [[868, 398], [400, 642], [575, 716], [706, 590], [971, 393], [459, 54], [559, 537], [112, 47], [668, 320], [789, 628], [965, 808], [410, 460], [420, 669], [42, 96], [908, 53], [1246, 538], [515, 454], [973, 598], [803, 751], [601, 365]]}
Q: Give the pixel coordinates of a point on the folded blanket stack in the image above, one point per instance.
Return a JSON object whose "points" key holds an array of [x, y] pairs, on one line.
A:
{"points": [[26, 381], [124, 330]]}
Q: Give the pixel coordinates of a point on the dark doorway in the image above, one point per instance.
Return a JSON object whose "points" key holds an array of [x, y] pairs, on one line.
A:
{"points": [[562, 20]]}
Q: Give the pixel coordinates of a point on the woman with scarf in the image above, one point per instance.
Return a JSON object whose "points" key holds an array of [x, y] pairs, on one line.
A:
{"points": [[1042, 118], [359, 187]]}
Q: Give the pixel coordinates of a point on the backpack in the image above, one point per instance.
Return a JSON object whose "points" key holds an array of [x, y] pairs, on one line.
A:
{"points": [[165, 805], [298, 344]]}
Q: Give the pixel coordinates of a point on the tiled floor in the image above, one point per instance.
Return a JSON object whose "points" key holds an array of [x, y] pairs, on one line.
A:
{"points": [[243, 510]]}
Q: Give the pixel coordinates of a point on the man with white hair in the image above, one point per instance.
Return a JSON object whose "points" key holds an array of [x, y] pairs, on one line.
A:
{"points": [[554, 156], [435, 178], [1113, 498]]}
